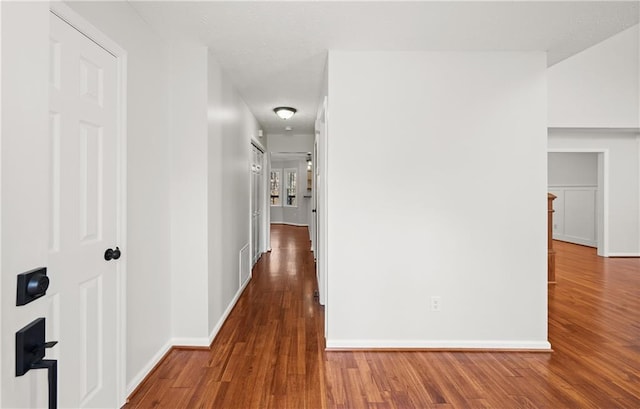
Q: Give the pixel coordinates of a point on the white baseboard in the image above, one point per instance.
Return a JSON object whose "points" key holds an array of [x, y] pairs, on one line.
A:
{"points": [[623, 255], [226, 313], [133, 384], [471, 345], [190, 342], [183, 342], [575, 240]]}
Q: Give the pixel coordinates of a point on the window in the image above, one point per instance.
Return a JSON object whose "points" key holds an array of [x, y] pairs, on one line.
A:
{"points": [[290, 176], [275, 187]]}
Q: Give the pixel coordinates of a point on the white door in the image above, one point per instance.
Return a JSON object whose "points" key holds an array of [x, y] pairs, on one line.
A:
{"points": [[320, 149], [314, 200], [257, 198], [83, 129]]}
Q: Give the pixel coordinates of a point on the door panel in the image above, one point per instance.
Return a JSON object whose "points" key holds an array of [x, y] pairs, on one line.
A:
{"points": [[91, 154], [83, 120]]}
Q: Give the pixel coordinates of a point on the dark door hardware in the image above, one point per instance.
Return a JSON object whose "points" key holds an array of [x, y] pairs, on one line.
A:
{"points": [[32, 285], [111, 254], [313, 210], [30, 351]]}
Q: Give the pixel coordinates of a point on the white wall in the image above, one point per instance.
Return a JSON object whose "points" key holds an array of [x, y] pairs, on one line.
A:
{"points": [[290, 143], [215, 108], [1, 328], [189, 234], [622, 181], [572, 169], [24, 167], [231, 127], [599, 87], [431, 222], [148, 182], [298, 215]]}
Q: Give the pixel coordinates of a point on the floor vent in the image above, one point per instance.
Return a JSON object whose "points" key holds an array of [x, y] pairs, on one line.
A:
{"points": [[244, 264]]}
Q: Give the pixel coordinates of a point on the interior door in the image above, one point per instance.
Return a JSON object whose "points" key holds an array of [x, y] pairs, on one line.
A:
{"points": [[314, 204], [83, 130], [257, 186]]}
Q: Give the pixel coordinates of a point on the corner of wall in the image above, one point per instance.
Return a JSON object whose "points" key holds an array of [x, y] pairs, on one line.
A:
{"points": [[146, 369]]}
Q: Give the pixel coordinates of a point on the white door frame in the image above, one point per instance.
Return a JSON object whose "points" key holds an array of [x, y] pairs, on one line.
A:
{"points": [[261, 203], [72, 18], [602, 218], [0, 207], [267, 200], [322, 211]]}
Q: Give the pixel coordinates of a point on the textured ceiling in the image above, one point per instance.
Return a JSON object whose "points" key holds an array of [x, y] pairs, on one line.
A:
{"points": [[275, 52]]}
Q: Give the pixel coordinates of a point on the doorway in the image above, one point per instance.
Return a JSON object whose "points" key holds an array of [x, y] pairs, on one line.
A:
{"points": [[578, 177], [290, 193]]}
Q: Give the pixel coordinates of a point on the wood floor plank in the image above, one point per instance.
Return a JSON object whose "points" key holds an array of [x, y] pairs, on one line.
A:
{"points": [[271, 351]]}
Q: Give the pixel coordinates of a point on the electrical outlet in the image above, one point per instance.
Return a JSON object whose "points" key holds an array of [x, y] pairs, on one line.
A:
{"points": [[436, 303]]}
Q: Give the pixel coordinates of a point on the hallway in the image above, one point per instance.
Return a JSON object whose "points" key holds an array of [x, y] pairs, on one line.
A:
{"points": [[270, 352]]}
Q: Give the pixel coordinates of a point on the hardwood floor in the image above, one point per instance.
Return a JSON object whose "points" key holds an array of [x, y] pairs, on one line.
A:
{"points": [[270, 352]]}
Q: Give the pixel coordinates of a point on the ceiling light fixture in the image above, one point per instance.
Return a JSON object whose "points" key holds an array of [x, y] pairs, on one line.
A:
{"points": [[284, 112]]}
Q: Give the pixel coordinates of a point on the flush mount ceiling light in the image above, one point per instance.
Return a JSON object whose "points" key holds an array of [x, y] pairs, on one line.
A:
{"points": [[284, 112]]}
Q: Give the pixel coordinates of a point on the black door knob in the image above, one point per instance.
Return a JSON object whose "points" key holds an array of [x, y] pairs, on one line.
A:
{"points": [[111, 254]]}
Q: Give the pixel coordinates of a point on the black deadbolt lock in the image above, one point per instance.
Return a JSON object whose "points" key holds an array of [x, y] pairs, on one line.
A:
{"points": [[32, 285]]}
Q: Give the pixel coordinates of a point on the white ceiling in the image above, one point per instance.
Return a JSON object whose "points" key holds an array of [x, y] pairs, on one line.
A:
{"points": [[275, 52]]}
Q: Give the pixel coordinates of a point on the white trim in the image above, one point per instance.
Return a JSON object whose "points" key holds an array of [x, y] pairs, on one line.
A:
{"points": [[258, 144], [72, 18], [624, 254], [638, 152], [630, 131], [249, 213], [267, 202], [575, 240], [226, 312], [292, 224], [605, 189], [190, 342], [1, 366], [444, 344], [144, 372], [573, 186], [78, 22], [323, 218], [263, 203]]}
